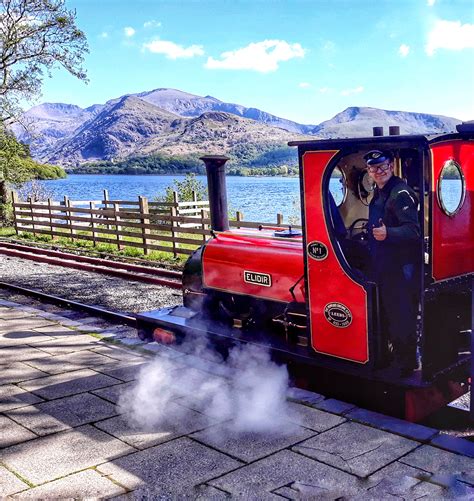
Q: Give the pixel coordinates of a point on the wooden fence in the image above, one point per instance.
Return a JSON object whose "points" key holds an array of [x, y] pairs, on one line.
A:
{"points": [[175, 227]]}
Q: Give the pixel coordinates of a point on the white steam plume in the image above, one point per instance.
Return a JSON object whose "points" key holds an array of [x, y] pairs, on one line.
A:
{"points": [[250, 398]]}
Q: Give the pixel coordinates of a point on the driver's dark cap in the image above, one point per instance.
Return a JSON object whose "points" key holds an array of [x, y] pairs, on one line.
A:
{"points": [[375, 157]]}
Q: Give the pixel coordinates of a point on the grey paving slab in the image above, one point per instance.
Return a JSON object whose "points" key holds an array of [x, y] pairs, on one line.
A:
{"points": [[454, 444], [179, 422], [334, 405], [12, 433], [9, 483], [12, 313], [249, 446], [112, 393], [54, 456], [87, 484], [304, 396], [402, 481], [69, 383], [169, 468], [63, 414], [12, 397], [118, 353], [20, 353], [313, 418], [200, 492], [21, 337], [68, 344], [436, 460], [162, 350], [18, 372], [308, 479], [356, 448], [388, 423], [72, 361], [125, 371], [22, 324], [57, 330]]}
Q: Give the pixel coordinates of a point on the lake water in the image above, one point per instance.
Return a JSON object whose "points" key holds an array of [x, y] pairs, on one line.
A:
{"points": [[259, 198]]}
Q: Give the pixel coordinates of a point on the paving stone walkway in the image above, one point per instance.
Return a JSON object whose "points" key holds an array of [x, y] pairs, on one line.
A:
{"points": [[63, 436]]}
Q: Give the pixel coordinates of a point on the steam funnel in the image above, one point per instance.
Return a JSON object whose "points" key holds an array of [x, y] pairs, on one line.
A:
{"points": [[215, 170]]}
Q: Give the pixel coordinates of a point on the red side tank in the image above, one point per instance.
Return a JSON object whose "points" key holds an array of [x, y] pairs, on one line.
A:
{"points": [[254, 263]]}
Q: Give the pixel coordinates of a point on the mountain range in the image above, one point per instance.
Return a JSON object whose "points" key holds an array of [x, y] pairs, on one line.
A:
{"points": [[172, 123]]}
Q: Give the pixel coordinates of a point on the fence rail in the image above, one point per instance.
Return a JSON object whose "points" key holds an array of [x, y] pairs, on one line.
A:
{"points": [[175, 227]]}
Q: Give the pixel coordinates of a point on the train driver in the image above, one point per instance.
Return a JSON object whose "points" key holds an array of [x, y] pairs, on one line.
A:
{"points": [[394, 249]]}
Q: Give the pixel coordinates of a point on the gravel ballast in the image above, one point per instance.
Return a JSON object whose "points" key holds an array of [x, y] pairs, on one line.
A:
{"points": [[95, 289]]}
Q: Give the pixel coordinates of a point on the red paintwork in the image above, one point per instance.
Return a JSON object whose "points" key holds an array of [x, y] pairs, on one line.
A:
{"points": [[227, 256], [453, 237], [327, 280], [421, 402]]}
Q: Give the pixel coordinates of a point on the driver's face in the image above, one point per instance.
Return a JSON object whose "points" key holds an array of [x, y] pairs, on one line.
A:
{"points": [[380, 173]]}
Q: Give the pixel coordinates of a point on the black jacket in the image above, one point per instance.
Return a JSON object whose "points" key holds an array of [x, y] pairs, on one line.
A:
{"points": [[397, 205]]}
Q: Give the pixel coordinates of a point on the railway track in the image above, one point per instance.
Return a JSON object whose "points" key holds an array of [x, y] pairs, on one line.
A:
{"points": [[127, 271]]}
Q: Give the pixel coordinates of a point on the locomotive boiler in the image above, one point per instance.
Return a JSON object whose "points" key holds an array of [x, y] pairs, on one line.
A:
{"points": [[307, 294]]}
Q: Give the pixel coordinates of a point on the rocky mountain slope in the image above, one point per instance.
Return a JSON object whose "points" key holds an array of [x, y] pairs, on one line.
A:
{"points": [[172, 122], [358, 122], [133, 127]]}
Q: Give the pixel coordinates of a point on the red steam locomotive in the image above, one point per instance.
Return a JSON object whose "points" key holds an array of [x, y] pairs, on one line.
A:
{"points": [[307, 294]]}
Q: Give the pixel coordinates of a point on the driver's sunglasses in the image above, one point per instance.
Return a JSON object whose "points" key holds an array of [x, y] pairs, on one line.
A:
{"points": [[375, 168]]}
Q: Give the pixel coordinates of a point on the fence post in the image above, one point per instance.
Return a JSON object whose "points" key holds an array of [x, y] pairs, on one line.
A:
{"points": [[92, 208], [279, 219], [68, 206], [203, 224], [50, 215], [118, 228], [174, 213], [145, 220], [105, 202], [239, 217], [15, 201], [33, 229]]}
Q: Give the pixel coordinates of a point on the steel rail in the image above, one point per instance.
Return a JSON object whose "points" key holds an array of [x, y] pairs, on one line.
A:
{"points": [[135, 272], [151, 270], [68, 303]]}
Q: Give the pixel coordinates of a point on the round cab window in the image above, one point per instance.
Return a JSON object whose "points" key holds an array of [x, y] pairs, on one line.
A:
{"points": [[451, 188], [337, 186]]}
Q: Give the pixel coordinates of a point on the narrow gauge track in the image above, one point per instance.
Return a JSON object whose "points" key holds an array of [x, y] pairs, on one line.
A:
{"points": [[128, 271]]}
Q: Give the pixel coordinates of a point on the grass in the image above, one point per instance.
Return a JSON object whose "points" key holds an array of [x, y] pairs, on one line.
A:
{"points": [[7, 231], [106, 249]]}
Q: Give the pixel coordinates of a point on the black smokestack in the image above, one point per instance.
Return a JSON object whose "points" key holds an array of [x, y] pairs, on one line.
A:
{"points": [[215, 170], [377, 131], [394, 130]]}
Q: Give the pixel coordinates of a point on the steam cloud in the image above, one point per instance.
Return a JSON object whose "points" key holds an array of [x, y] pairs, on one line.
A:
{"points": [[249, 396]]}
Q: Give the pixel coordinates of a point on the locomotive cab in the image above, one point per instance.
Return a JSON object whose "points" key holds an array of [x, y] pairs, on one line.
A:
{"points": [[310, 296]]}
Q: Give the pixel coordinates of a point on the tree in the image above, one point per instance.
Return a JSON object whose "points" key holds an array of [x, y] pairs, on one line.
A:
{"points": [[35, 37], [186, 188]]}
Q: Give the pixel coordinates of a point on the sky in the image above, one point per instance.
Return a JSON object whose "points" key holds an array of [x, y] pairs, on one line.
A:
{"points": [[304, 60]]}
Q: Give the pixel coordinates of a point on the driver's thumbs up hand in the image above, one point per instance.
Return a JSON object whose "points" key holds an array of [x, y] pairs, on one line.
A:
{"points": [[380, 233]]}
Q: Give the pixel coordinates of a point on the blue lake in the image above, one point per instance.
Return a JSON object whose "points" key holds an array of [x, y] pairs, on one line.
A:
{"points": [[259, 198]]}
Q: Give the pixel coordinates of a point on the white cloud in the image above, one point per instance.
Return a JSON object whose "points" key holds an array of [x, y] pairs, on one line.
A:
{"points": [[152, 24], [350, 92], [304, 85], [329, 46], [257, 56], [450, 35], [430, 3], [172, 50], [404, 50], [104, 34], [129, 31], [324, 90]]}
